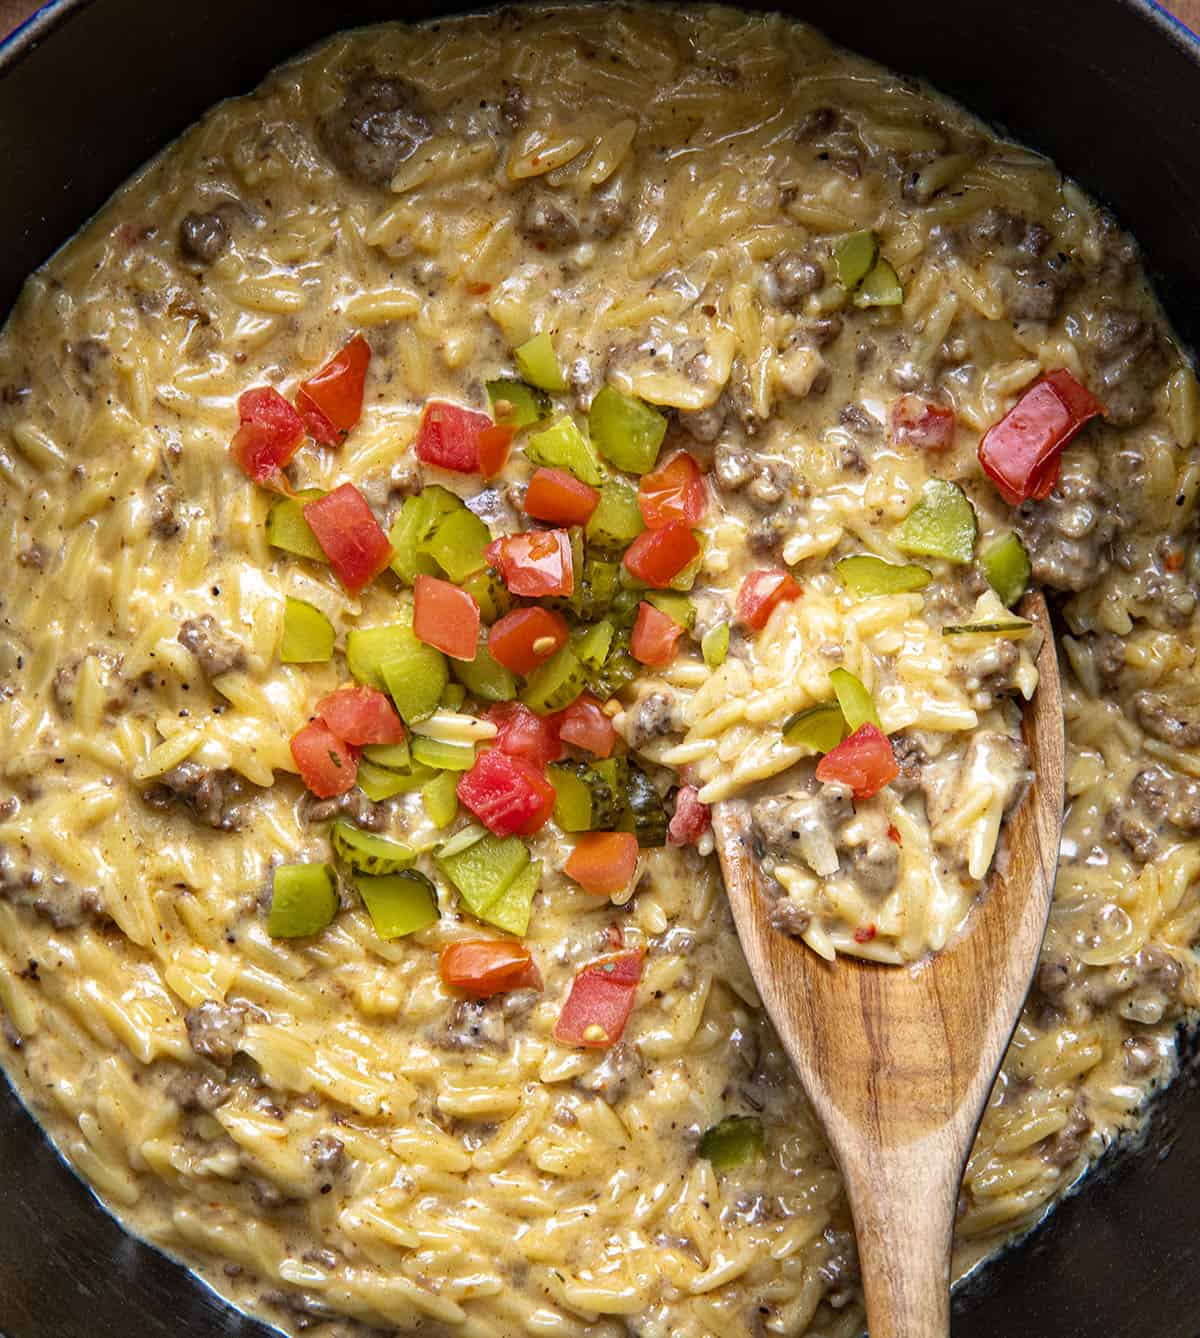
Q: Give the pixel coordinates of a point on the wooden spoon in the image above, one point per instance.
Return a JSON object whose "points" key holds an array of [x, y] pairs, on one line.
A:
{"points": [[898, 1062]]}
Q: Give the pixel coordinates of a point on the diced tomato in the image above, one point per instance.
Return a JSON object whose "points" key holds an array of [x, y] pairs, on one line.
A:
{"points": [[654, 637], [691, 818], [865, 762], [270, 433], [509, 795], [560, 498], [330, 401], [658, 556], [493, 445], [1174, 558], [534, 563], [522, 733], [894, 834], [601, 999], [603, 862], [865, 933], [920, 424], [449, 436], [525, 638], [360, 715], [327, 765], [1021, 453], [584, 725], [675, 491], [351, 537], [486, 966], [445, 617], [761, 593]]}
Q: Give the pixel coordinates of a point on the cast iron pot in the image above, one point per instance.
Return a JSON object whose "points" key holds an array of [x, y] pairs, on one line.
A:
{"points": [[89, 89]]}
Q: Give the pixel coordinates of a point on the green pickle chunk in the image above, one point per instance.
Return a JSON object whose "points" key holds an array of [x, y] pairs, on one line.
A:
{"points": [[393, 755], [572, 798], [441, 798], [307, 634], [1006, 566], [856, 702], [553, 686], [538, 363], [592, 644], [645, 813], [855, 258], [821, 727], [625, 431], [398, 903], [511, 911], [457, 543], [364, 852], [866, 576], [303, 900], [416, 676], [617, 520], [679, 608], [485, 870], [735, 1141], [563, 446], [379, 783], [881, 288], [516, 404], [442, 756], [714, 645], [483, 677], [942, 524], [287, 529]]}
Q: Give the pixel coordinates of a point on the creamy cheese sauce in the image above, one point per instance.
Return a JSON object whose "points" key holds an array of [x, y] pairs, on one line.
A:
{"points": [[320, 1127]]}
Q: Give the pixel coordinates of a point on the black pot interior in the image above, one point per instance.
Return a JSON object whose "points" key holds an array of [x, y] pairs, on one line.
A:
{"points": [[1109, 88]]}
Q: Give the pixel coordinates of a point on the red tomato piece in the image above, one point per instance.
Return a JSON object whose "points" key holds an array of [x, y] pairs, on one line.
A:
{"points": [[445, 617], [761, 593], [327, 765], [359, 715], [525, 638], [534, 563], [449, 436], [523, 733], [865, 933], [493, 445], [270, 433], [658, 556], [865, 762], [509, 795], [601, 999], [486, 966], [674, 491], [560, 498], [351, 537], [603, 862], [330, 401], [920, 424], [654, 637], [584, 725], [691, 818], [1021, 453]]}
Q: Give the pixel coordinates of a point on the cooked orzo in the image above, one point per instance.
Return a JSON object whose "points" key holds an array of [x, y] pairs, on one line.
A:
{"points": [[428, 487]]}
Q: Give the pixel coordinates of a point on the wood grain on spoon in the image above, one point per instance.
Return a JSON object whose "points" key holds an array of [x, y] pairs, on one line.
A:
{"points": [[898, 1061]]}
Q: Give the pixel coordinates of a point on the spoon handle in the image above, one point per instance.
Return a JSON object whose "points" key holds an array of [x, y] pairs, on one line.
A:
{"points": [[904, 1202]]}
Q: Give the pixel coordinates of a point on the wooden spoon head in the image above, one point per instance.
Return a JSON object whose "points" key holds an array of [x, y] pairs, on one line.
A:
{"points": [[889, 1055]]}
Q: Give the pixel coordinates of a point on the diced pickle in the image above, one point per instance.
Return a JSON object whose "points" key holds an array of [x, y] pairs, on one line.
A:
{"points": [[538, 363], [483, 677], [464, 837], [592, 644], [516, 404], [511, 911], [379, 783], [881, 288], [625, 431], [453, 696], [855, 258], [368, 647], [485, 870], [819, 727], [442, 756], [563, 446], [679, 608], [441, 798], [393, 755], [942, 524], [399, 903], [645, 813], [367, 853], [417, 519], [490, 593], [303, 900], [607, 781], [714, 645], [287, 529], [415, 675], [572, 798], [856, 702], [620, 669], [617, 520], [555, 685], [1005, 563], [866, 576], [457, 543], [737, 1140], [307, 634]]}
